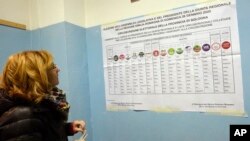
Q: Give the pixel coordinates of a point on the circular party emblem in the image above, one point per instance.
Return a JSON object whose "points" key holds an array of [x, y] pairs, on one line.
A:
{"points": [[197, 48], [122, 56], [206, 47], [156, 53], [188, 49], [116, 58], [128, 57], [171, 51], [163, 52], [141, 54], [226, 45], [215, 46], [179, 51]]}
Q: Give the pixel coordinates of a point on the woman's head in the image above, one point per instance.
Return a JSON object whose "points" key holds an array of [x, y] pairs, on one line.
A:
{"points": [[30, 74]]}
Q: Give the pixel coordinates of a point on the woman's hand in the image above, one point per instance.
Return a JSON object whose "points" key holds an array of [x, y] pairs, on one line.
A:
{"points": [[78, 126]]}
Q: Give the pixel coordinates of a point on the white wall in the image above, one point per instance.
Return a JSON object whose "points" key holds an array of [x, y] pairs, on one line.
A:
{"points": [[106, 11], [15, 11], [75, 11], [46, 12], [40, 13]]}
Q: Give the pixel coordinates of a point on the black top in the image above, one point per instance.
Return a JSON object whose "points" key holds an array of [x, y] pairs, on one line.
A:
{"points": [[21, 120]]}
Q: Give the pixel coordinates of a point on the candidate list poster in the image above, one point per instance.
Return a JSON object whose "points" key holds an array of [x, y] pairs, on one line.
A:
{"points": [[186, 59]]}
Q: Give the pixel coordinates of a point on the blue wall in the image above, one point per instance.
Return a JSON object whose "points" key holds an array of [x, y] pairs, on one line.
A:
{"points": [[78, 53], [152, 126], [11, 41]]}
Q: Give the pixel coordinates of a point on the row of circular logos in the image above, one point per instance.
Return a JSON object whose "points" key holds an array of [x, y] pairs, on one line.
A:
{"points": [[172, 51]]}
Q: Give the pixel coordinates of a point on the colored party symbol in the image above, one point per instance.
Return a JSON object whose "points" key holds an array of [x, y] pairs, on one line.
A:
{"points": [[128, 57], [205, 47], [171, 51], [179, 51], [116, 58], [226, 45], [122, 56], [197, 48], [156, 53], [188, 49], [141, 54], [163, 52]]}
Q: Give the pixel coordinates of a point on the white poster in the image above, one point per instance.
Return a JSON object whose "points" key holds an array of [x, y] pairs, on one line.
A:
{"points": [[186, 59]]}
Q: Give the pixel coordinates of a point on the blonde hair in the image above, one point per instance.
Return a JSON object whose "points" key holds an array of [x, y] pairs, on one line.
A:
{"points": [[25, 75]]}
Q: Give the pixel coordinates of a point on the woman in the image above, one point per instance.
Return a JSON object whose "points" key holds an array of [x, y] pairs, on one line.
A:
{"points": [[32, 108]]}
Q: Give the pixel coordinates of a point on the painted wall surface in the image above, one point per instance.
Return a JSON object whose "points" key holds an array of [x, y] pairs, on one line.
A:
{"points": [[15, 10], [78, 75], [103, 11], [11, 41], [75, 12], [48, 12], [41, 13], [32, 13], [148, 126]]}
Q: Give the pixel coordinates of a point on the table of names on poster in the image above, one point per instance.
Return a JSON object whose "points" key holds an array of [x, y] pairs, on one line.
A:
{"points": [[151, 68]]}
